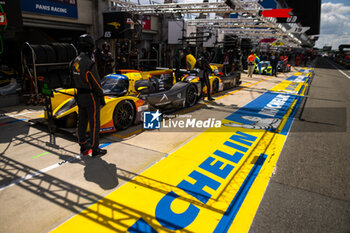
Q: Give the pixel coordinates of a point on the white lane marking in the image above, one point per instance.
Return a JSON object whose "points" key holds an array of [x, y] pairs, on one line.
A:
{"points": [[339, 70], [4, 116], [42, 171]]}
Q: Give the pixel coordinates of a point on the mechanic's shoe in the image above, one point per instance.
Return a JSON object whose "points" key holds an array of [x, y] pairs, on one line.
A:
{"points": [[84, 149], [98, 152], [211, 99]]}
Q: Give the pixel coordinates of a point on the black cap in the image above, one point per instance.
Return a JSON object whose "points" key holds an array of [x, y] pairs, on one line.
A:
{"points": [[187, 50], [105, 44], [86, 43], [86, 39]]}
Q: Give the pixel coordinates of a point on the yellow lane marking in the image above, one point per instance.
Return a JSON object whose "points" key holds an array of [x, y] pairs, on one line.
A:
{"points": [[251, 203]]}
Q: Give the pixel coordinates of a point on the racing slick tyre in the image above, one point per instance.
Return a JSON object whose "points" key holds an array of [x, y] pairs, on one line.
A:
{"points": [[123, 115], [215, 88], [61, 53], [50, 54], [40, 57], [235, 82], [191, 96], [71, 54], [40, 54]]}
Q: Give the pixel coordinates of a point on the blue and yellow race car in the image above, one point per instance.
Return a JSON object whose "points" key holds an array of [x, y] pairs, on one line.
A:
{"points": [[266, 68], [123, 106]]}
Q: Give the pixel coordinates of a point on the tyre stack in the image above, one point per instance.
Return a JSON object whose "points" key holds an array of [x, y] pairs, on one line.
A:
{"points": [[56, 75]]}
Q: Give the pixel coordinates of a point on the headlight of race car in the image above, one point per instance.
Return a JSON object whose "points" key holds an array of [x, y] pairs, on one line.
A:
{"points": [[189, 78], [216, 72], [70, 104]]}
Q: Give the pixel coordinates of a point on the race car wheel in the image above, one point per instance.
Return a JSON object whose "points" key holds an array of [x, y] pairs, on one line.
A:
{"points": [[71, 54], [61, 53], [235, 82], [51, 56], [215, 88], [191, 96], [124, 114], [40, 57]]}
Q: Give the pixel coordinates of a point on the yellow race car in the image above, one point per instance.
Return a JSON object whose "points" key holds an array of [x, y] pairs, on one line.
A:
{"points": [[218, 81], [123, 107]]}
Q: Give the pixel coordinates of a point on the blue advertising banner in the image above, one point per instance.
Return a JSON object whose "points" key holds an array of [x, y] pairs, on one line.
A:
{"points": [[268, 4], [64, 8]]}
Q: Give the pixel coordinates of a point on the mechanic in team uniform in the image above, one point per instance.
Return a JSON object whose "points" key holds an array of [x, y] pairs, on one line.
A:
{"points": [[205, 70], [106, 60], [190, 59], [89, 95], [250, 61]]}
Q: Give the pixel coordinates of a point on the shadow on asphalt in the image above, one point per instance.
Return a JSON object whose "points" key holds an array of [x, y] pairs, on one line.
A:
{"points": [[19, 108], [38, 140], [323, 63], [316, 119], [312, 119], [98, 171], [17, 128], [77, 199]]}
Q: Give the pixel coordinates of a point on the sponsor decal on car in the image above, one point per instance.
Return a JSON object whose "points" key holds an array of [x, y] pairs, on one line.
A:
{"points": [[106, 129]]}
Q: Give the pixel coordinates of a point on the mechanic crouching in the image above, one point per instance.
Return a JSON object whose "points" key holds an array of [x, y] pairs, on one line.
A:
{"points": [[205, 70], [89, 96]]}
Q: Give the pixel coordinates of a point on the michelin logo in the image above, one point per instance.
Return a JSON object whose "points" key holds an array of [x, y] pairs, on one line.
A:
{"points": [[259, 123], [151, 120]]}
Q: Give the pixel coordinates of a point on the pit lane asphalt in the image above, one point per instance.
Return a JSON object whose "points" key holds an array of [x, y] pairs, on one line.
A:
{"points": [[64, 188], [310, 189]]}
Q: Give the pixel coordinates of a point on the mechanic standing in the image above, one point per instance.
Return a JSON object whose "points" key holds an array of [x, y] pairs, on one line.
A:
{"points": [[89, 95], [257, 62], [106, 60], [190, 60], [250, 61], [205, 70], [179, 55], [274, 61]]}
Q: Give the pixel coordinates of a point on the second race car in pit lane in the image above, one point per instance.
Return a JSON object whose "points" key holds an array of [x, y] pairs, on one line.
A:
{"points": [[162, 92], [283, 67], [230, 80], [266, 68]]}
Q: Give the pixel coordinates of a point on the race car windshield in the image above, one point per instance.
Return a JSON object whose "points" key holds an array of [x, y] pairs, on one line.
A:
{"points": [[265, 65], [113, 86]]}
